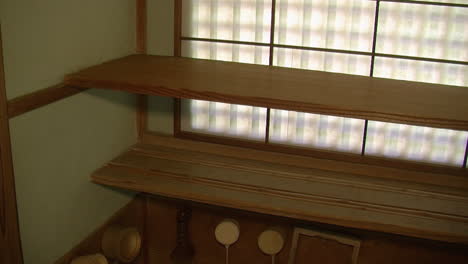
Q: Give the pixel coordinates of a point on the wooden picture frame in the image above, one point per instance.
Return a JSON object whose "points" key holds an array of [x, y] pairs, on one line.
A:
{"points": [[343, 239]]}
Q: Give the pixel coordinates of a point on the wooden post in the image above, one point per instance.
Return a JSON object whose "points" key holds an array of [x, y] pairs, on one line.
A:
{"points": [[10, 245], [141, 48]]}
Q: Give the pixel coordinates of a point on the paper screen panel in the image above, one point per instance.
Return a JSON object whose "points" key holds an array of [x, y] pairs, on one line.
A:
{"points": [[316, 131], [421, 71], [432, 31], [418, 143], [241, 20], [423, 31], [334, 24], [225, 52], [322, 61], [448, 1], [222, 119]]}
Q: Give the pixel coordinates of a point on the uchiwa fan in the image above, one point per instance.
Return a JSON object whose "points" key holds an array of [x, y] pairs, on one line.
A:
{"points": [[227, 233]]}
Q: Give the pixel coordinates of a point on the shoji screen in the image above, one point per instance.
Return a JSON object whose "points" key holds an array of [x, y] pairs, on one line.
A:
{"points": [[425, 41]]}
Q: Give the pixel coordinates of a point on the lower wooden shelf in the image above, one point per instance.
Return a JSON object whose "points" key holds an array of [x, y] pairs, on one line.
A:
{"points": [[303, 193]]}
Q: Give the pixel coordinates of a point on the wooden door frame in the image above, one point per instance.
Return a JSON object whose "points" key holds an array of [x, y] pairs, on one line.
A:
{"points": [[10, 243]]}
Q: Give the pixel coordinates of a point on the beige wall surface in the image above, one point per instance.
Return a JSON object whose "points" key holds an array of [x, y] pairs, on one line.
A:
{"points": [[56, 147], [161, 114], [160, 42], [45, 39]]}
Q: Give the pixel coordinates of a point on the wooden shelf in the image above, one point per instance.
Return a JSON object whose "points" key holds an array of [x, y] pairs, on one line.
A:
{"points": [[283, 88], [271, 187]]}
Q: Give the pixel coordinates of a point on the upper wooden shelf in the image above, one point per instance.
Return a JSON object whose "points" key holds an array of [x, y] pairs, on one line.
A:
{"points": [[283, 88]]}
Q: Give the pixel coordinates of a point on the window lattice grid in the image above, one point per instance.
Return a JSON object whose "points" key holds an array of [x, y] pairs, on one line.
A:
{"points": [[239, 20], [225, 52], [322, 61], [299, 44], [421, 71], [423, 31], [334, 24], [224, 119], [463, 3], [416, 143], [318, 131]]}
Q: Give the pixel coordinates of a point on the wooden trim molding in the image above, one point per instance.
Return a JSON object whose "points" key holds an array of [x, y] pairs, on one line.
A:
{"points": [[10, 244], [29, 102]]}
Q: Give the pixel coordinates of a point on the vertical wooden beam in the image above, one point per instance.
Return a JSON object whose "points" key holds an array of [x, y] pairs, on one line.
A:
{"points": [[10, 244], [142, 115], [177, 116], [177, 27], [146, 229], [183, 252], [141, 40], [177, 52]]}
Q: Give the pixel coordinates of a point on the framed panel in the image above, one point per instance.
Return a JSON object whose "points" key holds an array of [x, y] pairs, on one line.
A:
{"points": [[342, 239]]}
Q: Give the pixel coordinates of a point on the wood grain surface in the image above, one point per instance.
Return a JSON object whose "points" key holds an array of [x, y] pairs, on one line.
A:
{"points": [[371, 173], [283, 88], [160, 215], [358, 158], [375, 247], [438, 213]]}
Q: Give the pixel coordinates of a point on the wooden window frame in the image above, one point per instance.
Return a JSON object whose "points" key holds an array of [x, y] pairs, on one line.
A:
{"points": [[304, 151]]}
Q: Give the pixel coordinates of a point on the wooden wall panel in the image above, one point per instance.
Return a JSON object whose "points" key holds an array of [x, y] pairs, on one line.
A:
{"points": [[156, 218], [161, 235], [324, 251], [161, 230], [375, 248], [408, 251]]}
